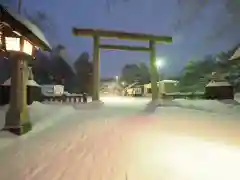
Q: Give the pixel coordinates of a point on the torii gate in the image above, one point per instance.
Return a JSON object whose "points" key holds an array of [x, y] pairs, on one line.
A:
{"points": [[96, 34]]}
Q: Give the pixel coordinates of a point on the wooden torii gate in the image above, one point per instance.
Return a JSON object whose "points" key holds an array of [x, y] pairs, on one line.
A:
{"points": [[96, 34]]}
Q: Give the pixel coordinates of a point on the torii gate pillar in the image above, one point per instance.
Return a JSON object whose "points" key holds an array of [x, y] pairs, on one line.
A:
{"points": [[96, 68]]}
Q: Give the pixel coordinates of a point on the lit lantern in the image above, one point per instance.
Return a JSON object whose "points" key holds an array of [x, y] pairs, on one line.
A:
{"points": [[12, 41], [18, 41]]}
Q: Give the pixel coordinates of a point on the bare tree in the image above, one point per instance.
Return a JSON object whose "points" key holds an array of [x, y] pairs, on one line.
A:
{"points": [[226, 21], [42, 20], [111, 3]]}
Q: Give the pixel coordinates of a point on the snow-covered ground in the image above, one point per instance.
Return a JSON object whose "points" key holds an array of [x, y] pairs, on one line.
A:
{"points": [[181, 140]]}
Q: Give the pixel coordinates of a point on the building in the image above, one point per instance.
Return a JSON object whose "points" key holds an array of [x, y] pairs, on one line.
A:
{"points": [[110, 86], [165, 86]]}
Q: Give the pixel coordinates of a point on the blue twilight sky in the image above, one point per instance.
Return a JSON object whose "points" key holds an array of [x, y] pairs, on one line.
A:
{"points": [[148, 16]]}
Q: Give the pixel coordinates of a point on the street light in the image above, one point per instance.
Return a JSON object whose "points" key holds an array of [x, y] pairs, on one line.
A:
{"points": [[159, 63]]}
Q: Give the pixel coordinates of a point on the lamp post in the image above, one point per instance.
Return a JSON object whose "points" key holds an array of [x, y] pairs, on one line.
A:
{"points": [[159, 64], [19, 51], [116, 77], [116, 84]]}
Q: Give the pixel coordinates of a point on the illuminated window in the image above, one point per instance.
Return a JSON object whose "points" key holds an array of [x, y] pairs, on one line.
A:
{"points": [[27, 47], [12, 44]]}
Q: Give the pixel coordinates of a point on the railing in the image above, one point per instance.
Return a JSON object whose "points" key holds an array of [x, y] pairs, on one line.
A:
{"points": [[181, 95], [80, 98]]}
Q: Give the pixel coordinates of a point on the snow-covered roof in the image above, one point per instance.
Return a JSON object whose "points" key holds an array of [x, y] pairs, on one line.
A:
{"points": [[236, 55], [36, 33], [169, 81], [29, 83], [218, 83]]}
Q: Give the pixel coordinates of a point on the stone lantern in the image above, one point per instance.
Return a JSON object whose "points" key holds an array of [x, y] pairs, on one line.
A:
{"points": [[18, 44]]}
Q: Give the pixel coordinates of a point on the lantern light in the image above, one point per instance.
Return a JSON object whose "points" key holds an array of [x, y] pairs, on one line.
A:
{"points": [[12, 43], [27, 47]]}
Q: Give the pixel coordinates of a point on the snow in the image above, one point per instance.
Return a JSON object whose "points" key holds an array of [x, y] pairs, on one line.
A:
{"points": [[33, 28], [221, 83], [236, 55], [29, 83], [221, 107], [119, 141], [169, 81], [39, 117]]}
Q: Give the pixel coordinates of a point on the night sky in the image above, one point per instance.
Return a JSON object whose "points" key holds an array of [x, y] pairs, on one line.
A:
{"points": [[147, 16]]}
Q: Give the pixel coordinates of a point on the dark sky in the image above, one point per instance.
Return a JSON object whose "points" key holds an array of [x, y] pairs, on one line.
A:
{"points": [[148, 16]]}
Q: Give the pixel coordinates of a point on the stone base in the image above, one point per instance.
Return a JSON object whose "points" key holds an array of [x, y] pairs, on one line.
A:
{"points": [[152, 106], [17, 122], [19, 130]]}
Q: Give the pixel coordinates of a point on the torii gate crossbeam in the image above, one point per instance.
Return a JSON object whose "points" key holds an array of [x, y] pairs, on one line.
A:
{"points": [[96, 34]]}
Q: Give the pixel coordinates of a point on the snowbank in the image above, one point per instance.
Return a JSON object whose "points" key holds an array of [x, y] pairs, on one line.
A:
{"points": [[226, 106], [42, 116], [89, 105], [29, 83]]}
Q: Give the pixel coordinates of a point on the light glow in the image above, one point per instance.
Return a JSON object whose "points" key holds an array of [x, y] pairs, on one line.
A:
{"points": [[12, 44], [187, 157], [27, 47], [159, 63]]}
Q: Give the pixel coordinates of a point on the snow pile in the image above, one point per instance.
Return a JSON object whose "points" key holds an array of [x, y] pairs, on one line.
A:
{"points": [[89, 105], [225, 106], [39, 112], [41, 116], [3, 110], [29, 83], [120, 101], [237, 97], [152, 105]]}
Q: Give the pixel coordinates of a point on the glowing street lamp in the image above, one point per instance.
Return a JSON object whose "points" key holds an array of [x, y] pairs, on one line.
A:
{"points": [[159, 63]]}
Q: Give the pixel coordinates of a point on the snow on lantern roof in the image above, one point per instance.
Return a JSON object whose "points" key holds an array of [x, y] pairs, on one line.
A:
{"points": [[25, 28], [29, 83], [236, 55]]}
